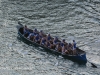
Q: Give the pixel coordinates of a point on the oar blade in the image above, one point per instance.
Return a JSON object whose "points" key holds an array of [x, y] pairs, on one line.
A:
{"points": [[20, 23], [93, 65]]}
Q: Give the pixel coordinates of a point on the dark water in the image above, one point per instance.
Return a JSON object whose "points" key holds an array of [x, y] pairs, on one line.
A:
{"points": [[69, 19]]}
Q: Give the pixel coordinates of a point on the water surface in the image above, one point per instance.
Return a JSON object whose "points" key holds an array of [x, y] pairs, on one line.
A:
{"points": [[68, 19]]}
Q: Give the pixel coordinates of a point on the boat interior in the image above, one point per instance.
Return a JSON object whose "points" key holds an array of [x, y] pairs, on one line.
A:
{"points": [[77, 49]]}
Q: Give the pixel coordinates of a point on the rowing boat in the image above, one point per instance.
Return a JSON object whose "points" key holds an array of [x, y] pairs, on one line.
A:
{"points": [[79, 58]]}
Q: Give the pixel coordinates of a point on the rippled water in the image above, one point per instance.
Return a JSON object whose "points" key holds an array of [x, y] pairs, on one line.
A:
{"points": [[69, 19]]}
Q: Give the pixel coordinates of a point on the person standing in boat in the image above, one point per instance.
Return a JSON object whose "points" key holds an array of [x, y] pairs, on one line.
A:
{"points": [[74, 47]]}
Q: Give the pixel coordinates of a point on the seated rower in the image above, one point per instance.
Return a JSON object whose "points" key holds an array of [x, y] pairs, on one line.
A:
{"points": [[62, 42], [65, 49], [37, 38], [43, 41], [50, 45], [70, 48], [58, 47], [26, 30], [41, 34], [55, 41], [31, 35], [48, 37], [35, 31]]}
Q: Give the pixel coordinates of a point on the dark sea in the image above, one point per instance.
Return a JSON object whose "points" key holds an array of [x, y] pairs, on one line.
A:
{"points": [[68, 19]]}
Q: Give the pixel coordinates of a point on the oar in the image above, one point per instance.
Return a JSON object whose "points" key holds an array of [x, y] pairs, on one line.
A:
{"points": [[20, 23], [93, 65]]}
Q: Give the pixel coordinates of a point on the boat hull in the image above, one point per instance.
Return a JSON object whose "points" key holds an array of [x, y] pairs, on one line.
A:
{"points": [[81, 59]]}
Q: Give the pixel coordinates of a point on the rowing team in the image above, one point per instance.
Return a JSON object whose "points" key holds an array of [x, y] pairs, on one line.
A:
{"points": [[50, 42]]}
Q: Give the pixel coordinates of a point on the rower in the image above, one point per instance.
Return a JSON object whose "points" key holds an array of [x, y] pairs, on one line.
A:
{"points": [[35, 31], [41, 34], [36, 38], [48, 44], [58, 47], [31, 35], [26, 30], [43, 41], [48, 38], [55, 41], [62, 42], [65, 49], [70, 48]]}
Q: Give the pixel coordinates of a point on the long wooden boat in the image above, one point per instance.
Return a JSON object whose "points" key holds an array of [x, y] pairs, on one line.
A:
{"points": [[79, 58]]}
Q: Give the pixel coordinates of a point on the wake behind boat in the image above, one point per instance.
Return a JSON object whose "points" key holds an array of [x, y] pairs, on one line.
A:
{"points": [[79, 56]]}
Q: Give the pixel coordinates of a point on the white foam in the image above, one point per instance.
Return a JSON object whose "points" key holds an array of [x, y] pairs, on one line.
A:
{"points": [[22, 52]]}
